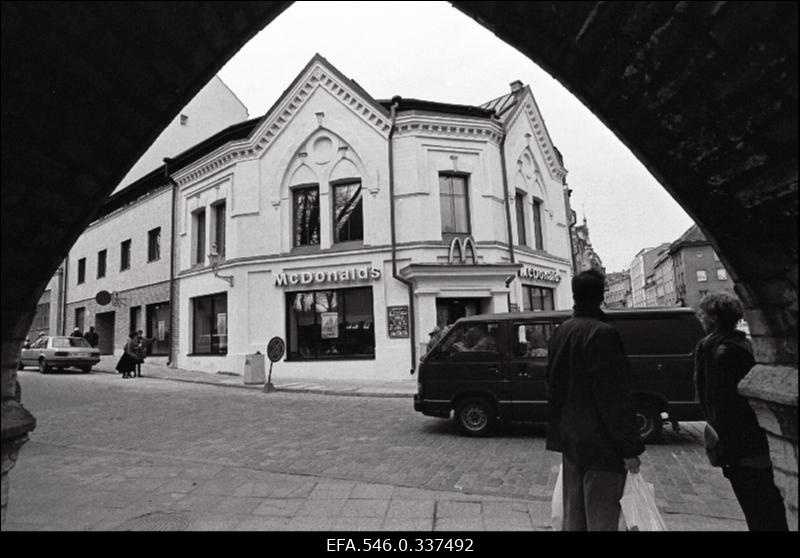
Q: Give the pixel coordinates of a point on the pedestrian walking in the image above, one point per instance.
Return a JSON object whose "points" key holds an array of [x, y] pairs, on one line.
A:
{"points": [[127, 362], [140, 348], [740, 447], [92, 337], [590, 413]]}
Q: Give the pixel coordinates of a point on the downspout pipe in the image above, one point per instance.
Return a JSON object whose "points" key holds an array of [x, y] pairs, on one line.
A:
{"points": [[172, 243], [63, 294], [409, 285], [507, 203]]}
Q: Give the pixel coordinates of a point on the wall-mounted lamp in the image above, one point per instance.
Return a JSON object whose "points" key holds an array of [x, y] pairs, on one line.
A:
{"points": [[213, 258]]}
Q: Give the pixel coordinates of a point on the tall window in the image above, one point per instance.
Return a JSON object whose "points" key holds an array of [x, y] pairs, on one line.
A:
{"points": [[154, 244], [454, 204], [330, 324], [199, 225], [80, 317], [219, 228], [81, 270], [537, 224], [519, 204], [348, 213], [702, 276], [125, 255], [210, 320], [101, 263], [306, 216], [722, 274], [537, 298], [135, 314]]}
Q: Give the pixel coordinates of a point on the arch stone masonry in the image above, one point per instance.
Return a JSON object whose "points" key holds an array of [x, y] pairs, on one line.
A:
{"points": [[703, 93]]}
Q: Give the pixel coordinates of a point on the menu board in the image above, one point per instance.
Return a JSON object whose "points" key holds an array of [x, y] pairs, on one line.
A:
{"points": [[397, 321]]}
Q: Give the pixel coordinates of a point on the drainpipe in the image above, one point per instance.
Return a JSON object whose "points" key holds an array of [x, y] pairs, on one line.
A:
{"points": [[412, 328], [508, 211], [172, 332], [63, 296]]}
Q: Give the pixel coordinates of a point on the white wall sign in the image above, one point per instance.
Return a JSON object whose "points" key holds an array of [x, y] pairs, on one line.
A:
{"points": [[549, 275], [340, 276]]}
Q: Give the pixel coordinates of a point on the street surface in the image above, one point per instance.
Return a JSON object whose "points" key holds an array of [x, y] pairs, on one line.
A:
{"points": [[154, 454]]}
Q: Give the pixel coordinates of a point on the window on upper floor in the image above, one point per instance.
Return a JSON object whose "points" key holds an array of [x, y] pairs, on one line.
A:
{"points": [[702, 276], [219, 212], [537, 224], [154, 244], [125, 255], [519, 205], [81, 270], [722, 274], [454, 204], [348, 212], [101, 263], [306, 216], [199, 237]]}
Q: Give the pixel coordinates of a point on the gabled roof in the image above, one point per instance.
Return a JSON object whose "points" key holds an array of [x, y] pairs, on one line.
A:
{"points": [[692, 237], [433, 106], [502, 105]]}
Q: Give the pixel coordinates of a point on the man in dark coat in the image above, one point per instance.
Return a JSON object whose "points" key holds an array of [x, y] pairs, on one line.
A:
{"points": [[92, 337], [591, 421], [722, 359]]}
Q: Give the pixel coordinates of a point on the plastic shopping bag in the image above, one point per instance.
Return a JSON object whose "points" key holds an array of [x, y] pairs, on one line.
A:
{"points": [[557, 504], [639, 508]]}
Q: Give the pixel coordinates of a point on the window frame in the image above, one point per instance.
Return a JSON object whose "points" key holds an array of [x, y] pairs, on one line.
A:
{"points": [[102, 258], [697, 275], [527, 297], [212, 298], [199, 237], [520, 199], [81, 275], [295, 190], [467, 204], [154, 244], [217, 208], [538, 226], [125, 255], [722, 274], [334, 220]]}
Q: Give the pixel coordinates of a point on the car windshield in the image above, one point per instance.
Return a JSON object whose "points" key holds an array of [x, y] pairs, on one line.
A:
{"points": [[63, 342]]}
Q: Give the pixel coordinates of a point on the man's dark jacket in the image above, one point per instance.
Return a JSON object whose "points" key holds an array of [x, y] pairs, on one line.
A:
{"points": [[590, 411], [722, 359]]}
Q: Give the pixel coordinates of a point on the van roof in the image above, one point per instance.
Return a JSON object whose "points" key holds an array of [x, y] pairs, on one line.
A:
{"points": [[563, 314]]}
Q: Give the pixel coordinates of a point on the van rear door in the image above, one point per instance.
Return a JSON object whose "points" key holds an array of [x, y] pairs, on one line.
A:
{"points": [[526, 368]]}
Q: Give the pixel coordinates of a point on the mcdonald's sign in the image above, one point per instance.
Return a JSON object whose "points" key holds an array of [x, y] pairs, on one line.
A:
{"points": [[462, 244]]}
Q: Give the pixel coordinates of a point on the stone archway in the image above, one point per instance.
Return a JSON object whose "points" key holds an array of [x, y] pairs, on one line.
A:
{"points": [[704, 93]]}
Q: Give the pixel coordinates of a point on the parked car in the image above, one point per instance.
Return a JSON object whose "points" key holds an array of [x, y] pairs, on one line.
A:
{"points": [[492, 367], [59, 352]]}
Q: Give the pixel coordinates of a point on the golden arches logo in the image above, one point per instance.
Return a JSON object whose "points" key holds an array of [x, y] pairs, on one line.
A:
{"points": [[462, 245]]}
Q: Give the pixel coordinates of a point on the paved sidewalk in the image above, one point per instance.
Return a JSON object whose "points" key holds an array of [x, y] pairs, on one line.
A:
{"points": [[157, 368]]}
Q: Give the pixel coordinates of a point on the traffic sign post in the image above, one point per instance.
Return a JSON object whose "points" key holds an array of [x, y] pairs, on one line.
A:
{"points": [[275, 349]]}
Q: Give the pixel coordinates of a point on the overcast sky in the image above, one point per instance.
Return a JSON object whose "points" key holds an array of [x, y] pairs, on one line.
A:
{"points": [[432, 51]]}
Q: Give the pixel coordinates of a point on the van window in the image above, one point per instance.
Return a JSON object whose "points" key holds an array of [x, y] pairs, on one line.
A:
{"points": [[532, 340], [648, 336], [471, 338]]}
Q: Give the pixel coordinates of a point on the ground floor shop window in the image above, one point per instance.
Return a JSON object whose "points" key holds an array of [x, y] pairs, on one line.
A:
{"points": [[537, 298], [329, 324], [210, 320], [158, 318]]}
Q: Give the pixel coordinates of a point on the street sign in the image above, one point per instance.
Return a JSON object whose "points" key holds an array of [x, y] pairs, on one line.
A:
{"points": [[275, 349], [102, 298]]}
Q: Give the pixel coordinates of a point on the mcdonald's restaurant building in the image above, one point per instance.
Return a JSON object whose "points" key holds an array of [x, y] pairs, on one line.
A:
{"points": [[352, 227]]}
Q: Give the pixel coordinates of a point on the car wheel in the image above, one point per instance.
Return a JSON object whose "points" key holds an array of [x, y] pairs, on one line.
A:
{"points": [[43, 366], [86, 369], [475, 416], [648, 422]]}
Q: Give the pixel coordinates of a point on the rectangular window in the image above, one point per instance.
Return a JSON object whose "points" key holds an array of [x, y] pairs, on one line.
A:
{"points": [[306, 216], [157, 328], [701, 276], [537, 225], [532, 340], [537, 298], [125, 255], [199, 226], [80, 317], [135, 318], [101, 263], [42, 318], [348, 211], [469, 342], [210, 319], [454, 204], [330, 324], [722, 274], [154, 244], [519, 204], [81, 270], [219, 229]]}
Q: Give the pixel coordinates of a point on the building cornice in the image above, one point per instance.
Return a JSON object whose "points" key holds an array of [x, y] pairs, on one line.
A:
{"points": [[428, 126]]}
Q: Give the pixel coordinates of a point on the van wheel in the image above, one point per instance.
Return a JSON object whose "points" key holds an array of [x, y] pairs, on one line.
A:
{"points": [[475, 416], [649, 422]]}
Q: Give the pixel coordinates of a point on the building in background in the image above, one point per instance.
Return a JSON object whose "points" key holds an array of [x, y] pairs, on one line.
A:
{"points": [[618, 290], [583, 253], [697, 268], [641, 271], [664, 280]]}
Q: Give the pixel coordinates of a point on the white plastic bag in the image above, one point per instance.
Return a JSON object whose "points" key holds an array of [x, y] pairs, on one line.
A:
{"points": [[557, 504], [639, 508]]}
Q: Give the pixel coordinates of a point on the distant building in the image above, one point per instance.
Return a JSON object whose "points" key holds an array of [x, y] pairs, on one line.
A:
{"points": [[618, 289], [642, 278], [664, 281], [583, 254], [697, 268]]}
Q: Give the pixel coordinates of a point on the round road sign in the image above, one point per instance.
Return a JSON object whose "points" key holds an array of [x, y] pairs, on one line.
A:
{"points": [[275, 349]]}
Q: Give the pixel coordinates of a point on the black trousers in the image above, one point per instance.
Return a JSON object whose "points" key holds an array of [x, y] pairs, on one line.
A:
{"points": [[591, 498], [758, 496]]}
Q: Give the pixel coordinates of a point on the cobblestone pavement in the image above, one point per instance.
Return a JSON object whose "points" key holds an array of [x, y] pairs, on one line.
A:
{"points": [[150, 454]]}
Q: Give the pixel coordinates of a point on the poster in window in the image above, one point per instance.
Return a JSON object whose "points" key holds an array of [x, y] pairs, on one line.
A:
{"points": [[397, 321], [161, 330], [222, 323], [330, 325], [513, 307]]}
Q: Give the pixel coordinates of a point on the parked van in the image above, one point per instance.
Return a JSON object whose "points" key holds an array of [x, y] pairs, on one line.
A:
{"points": [[492, 367]]}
